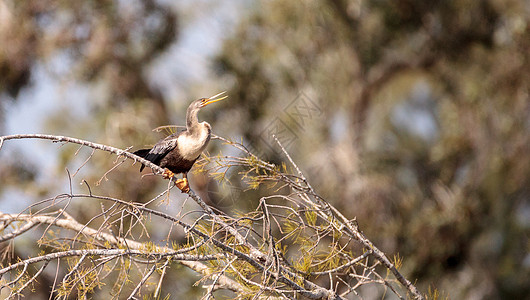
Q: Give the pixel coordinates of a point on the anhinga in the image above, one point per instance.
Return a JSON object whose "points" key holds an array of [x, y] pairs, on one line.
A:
{"points": [[178, 152]]}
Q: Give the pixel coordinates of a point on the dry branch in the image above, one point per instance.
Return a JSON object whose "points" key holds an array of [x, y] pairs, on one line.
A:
{"points": [[226, 250]]}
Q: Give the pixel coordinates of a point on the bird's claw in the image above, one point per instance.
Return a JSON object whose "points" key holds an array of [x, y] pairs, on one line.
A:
{"points": [[183, 185], [168, 174]]}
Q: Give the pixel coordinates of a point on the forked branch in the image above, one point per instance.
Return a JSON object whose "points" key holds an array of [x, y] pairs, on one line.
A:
{"points": [[248, 254]]}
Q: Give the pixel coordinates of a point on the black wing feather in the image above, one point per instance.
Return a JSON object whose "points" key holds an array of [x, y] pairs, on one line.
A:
{"points": [[160, 150]]}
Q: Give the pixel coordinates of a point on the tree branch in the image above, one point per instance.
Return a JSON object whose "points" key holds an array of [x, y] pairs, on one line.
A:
{"points": [[232, 242]]}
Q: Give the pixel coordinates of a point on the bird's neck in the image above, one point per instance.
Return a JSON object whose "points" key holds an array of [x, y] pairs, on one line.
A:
{"points": [[192, 121], [194, 129], [199, 131]]}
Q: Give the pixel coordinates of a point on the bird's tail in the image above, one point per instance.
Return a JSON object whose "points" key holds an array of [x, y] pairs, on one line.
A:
{"points": [[142, 153]]}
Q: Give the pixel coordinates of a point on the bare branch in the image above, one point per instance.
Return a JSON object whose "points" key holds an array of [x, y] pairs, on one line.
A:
{"points": [[248, 254]]}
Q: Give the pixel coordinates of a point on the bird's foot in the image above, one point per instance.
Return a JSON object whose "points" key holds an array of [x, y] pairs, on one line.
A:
{"points": [[168, 174], [183, 185]]}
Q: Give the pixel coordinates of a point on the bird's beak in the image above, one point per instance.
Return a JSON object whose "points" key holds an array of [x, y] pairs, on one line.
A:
{"points": [[215, 98]]}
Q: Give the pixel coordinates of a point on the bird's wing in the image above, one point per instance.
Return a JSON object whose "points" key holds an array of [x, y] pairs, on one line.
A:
{"points": [[165, 145], [162, 148]]}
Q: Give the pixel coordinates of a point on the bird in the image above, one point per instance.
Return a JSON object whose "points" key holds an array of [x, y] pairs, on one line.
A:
{"points": [[178, 152]]}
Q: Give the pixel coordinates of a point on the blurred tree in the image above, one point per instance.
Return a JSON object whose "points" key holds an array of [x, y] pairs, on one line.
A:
{"points": [[424, 131]]}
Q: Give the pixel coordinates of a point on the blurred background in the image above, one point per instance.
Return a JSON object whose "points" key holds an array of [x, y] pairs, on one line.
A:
{"points": [[411, 115]]}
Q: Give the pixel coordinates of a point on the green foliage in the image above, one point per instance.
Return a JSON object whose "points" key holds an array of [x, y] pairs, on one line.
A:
{"points": [[397, 261], [311, 217], [434, 294]]}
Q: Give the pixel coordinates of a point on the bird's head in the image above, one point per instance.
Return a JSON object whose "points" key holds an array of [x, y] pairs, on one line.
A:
{"points": [[195, 106]]}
